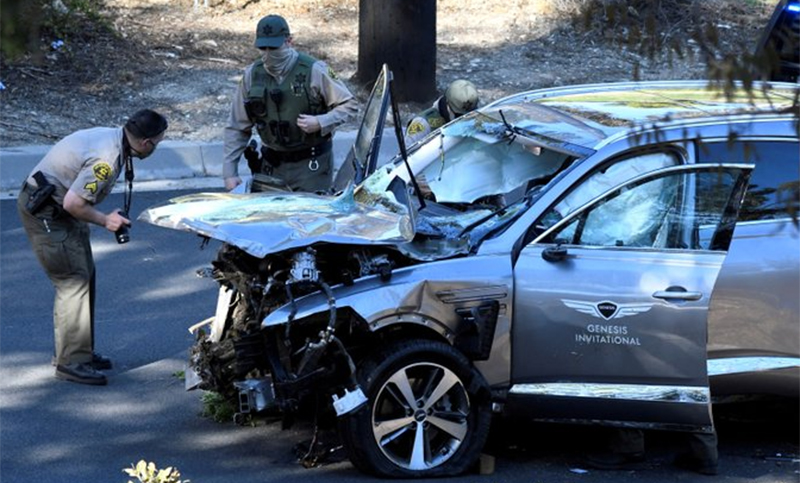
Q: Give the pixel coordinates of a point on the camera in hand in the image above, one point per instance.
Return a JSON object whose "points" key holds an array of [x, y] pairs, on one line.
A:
{"points": [[123, 233]]}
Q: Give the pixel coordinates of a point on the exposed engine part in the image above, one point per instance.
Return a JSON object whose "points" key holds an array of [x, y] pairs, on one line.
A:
{"points": [[304, 267], [255, 394], [233, 346], [331, 304], [371, 264], [351, 401]]}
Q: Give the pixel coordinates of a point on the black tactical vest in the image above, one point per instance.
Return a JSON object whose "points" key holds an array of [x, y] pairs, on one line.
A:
{"points": [[274, 108]]}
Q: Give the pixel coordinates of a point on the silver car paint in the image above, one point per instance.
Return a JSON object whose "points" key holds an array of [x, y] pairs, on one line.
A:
{"points": [[261, 224], [412, 297], [760, 283], [427, 295], [624, 143]]}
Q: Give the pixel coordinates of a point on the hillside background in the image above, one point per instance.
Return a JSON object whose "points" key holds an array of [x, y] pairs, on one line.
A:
{"points": [[96, 61]]}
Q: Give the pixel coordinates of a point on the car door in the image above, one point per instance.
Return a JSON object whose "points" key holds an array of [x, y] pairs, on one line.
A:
{"points": [[611, 301], [754, 335]]}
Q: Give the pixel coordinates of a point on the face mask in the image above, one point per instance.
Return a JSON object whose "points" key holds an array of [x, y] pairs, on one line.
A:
{"points": [[277, 61]]}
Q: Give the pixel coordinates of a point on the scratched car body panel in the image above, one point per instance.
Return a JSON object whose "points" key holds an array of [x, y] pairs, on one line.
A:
{"points": [[560, 255]]}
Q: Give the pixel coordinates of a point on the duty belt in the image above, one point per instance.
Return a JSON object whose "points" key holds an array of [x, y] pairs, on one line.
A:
{"points": [[48, 208], [272, 156]]}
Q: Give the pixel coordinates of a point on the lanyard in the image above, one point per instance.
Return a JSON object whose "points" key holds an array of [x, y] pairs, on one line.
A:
{"points": [[129, 186], [126, 154]]}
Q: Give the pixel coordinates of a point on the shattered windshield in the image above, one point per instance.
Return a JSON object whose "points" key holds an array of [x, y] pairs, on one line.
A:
{"points": [[475, 158], [473, 176]]}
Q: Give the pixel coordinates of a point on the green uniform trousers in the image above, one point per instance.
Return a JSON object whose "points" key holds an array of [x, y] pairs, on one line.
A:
{"points": [[61, 243], [308, 175]]}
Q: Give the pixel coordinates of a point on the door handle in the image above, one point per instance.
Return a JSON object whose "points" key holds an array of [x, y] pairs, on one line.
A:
{"points": [[677, 293]]}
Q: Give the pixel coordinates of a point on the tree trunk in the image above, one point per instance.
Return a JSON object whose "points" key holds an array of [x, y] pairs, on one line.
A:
{"points": [[402, 34]]}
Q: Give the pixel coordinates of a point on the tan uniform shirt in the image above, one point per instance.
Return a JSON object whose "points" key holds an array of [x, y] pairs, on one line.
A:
{"points": [[422, 125], [88, 162], [340, 101]]}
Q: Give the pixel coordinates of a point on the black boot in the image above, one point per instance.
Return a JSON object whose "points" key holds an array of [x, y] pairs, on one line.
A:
{"points": [[81, 373], [100, 362]]}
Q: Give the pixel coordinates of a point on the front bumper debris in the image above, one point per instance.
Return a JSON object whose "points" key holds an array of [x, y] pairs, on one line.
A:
{"points": [[255, 395]]}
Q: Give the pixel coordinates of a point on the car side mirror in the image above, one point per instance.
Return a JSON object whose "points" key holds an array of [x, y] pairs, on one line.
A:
{"points": [[554, 254]]}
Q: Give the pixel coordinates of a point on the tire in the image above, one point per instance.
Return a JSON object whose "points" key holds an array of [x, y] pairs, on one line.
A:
{"points": [[428, 412]]}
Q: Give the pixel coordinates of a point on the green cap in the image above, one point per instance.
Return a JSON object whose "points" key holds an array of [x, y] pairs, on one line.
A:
{"points": [[272, 31]]}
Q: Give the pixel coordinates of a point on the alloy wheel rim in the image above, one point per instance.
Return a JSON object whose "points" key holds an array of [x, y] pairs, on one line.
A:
{"points": [[419, 419]]}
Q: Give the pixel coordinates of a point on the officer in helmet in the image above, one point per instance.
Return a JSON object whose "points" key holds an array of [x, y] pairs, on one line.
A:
{"points": [[460, 98]]}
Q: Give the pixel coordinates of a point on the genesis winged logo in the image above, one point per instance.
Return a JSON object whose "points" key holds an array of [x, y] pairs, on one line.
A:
{"points": [[607, 310]]}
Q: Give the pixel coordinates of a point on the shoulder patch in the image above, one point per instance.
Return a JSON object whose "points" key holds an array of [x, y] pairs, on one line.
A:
{"points": [[102, 171], [416, 127], [332, 74], [91, 187]]}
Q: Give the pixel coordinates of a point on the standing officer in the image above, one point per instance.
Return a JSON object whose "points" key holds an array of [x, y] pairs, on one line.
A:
{"points": [[460, 98], [294, 101], [56, 204]]}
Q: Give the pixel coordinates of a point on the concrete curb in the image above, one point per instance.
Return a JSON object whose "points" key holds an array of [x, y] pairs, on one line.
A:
{"points": [[173, 160]]}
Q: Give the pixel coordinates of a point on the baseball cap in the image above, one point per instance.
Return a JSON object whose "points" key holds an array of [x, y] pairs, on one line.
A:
{"points": [[272, 31]]}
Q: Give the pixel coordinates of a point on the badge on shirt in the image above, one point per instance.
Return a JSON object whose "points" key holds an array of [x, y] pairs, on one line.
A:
{"points": [[298, 86], [436, 122], [102, 171], [91, 187]]}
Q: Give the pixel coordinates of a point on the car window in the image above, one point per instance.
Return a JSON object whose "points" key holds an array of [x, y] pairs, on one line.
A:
{"points": [[604, 179], [677, 210], [464, 169], [773, 190]]}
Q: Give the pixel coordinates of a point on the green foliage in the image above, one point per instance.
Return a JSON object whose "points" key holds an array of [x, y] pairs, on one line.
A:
{"points": [[146, 472], [179, 375], [216, 407]]}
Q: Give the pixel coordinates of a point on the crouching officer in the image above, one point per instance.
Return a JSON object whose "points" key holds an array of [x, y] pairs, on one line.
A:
{"points": [[57, 203], [460, 98], [294, 101]]}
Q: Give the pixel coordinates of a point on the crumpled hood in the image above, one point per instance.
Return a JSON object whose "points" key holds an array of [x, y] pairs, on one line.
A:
{"points": [[264, 223]]}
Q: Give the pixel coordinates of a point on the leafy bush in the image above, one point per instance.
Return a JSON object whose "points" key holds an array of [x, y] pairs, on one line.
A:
{"points": [[216, 407], [146, 472]]}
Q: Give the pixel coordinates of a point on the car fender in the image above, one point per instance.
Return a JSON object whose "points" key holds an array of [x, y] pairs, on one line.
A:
{"points": [[379, 303]]}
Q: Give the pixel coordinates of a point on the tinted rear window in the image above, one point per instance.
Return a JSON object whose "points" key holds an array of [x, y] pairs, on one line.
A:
{"points": [[773, 190]]}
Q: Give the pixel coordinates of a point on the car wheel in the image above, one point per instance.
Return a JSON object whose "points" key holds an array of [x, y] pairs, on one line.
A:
{"points": [[428, 412]]}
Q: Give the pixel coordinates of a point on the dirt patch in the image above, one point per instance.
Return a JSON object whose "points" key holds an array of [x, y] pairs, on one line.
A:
{"points": [[184, 60]]}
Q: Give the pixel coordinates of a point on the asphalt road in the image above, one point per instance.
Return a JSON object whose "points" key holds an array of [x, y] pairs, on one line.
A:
{"points": [[148, 294]]}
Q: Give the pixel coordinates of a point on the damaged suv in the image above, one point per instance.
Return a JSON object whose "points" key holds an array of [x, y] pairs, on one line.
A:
{"points": [[589, 254]]}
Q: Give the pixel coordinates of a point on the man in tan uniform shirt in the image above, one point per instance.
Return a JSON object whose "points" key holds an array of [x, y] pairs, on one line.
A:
{"points": [[294, 101], [81, 168]]}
